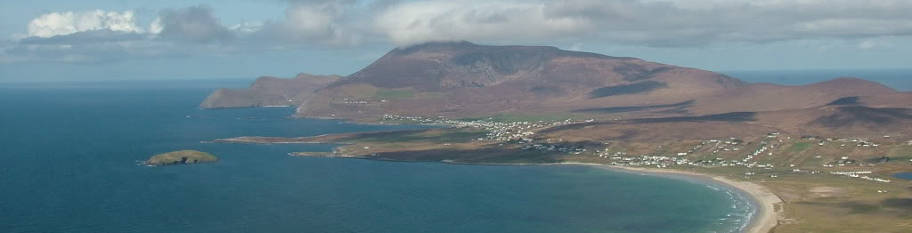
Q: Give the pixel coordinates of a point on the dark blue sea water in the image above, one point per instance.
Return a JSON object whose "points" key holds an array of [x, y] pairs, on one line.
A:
{"points": [[68, 163]]}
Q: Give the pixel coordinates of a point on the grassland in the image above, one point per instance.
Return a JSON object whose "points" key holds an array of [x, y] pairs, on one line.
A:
{"points": [[799, 147], [393, 94]]}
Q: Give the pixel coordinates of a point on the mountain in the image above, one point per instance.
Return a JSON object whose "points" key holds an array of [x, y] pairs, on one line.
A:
{"points": [[466, 80], [269, 91]]}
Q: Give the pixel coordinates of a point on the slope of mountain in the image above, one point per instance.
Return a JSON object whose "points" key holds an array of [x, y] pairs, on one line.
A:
{"points": [[269, 91], [770, 97], [463, 79]]}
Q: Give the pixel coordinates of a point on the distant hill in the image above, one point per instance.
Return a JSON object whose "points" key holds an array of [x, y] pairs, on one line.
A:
{"points": [[466, 80], [269, 91], [770, 97]]}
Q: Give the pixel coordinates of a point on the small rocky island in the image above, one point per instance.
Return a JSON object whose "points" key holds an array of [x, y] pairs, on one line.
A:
{"points": [[181, 157]]}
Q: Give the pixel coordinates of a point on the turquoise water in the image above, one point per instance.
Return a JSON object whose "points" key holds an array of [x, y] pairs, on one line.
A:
{"points": [[69, 164]]}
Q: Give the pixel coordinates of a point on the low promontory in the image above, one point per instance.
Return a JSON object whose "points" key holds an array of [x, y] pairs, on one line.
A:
{"points": [[181, 157]]}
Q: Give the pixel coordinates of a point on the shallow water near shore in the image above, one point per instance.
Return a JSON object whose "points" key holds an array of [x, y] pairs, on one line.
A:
{"points": [[70, 165]]}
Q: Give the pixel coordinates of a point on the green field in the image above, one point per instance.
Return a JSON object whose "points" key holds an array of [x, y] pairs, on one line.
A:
{"points": [[799, 147], [423, 136]]}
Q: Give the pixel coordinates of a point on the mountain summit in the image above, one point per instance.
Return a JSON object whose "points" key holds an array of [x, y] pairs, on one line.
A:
{"points": [[445, 65], [439, 66]]}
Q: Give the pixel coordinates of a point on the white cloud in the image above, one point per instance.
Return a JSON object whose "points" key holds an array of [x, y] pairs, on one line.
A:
{"points": [[106, 36], [349, 23], [417, 22], [247, 27], [196, 24], [330, 22], [644, 22], [65, 23], [156, 26]]}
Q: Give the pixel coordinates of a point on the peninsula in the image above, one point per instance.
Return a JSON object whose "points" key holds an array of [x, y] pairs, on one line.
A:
{"points": [[816, 158]]}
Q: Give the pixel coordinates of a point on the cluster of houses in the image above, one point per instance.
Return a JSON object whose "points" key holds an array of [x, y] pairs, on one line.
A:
{"points": [[416, 119], [658, 161], [502, 132], [732, 144], [497, 131], [573, 150], [663, 161], [861, 175], [764, 148], [841, 162], [607, 153], [354, 101], [521, 132], [844, 142]]}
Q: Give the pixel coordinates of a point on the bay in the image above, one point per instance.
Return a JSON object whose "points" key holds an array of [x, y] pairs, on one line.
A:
{"points": [[70, 156]]}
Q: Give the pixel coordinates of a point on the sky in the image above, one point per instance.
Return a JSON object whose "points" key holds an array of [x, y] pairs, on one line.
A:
{"points": [[90, 40]]}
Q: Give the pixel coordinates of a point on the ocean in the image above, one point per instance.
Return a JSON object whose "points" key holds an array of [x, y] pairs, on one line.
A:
{"points": [[70, 156]]}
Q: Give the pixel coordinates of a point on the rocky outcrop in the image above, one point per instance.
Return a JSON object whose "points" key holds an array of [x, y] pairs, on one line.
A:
{"points": [[180, 157]]}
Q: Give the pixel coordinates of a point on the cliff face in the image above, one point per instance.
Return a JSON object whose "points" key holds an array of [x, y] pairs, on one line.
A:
{"points": [[269, 91]]}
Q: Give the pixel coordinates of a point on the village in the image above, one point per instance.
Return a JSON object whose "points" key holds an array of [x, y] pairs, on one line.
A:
{"points": [[497, 131], [758, 158]]}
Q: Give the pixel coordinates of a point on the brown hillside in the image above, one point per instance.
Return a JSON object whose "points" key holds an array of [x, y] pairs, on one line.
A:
{"points": [[770, 97], [464, 79]]}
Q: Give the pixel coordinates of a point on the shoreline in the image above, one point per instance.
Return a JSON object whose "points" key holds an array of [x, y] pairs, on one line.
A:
{"points": [[767, 216], [764, 220]]}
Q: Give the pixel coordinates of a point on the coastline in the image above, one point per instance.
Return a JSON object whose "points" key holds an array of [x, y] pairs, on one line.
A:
{"points": [[764, 221]]}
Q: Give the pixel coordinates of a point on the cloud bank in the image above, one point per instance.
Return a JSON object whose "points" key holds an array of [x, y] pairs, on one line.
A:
{"points": [[324, 22], [195, 24], [97, 36], [66, 23], [642, 22]]}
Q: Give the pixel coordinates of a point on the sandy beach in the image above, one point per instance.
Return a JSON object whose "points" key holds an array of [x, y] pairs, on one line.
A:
{"points": [[767, 214]]}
